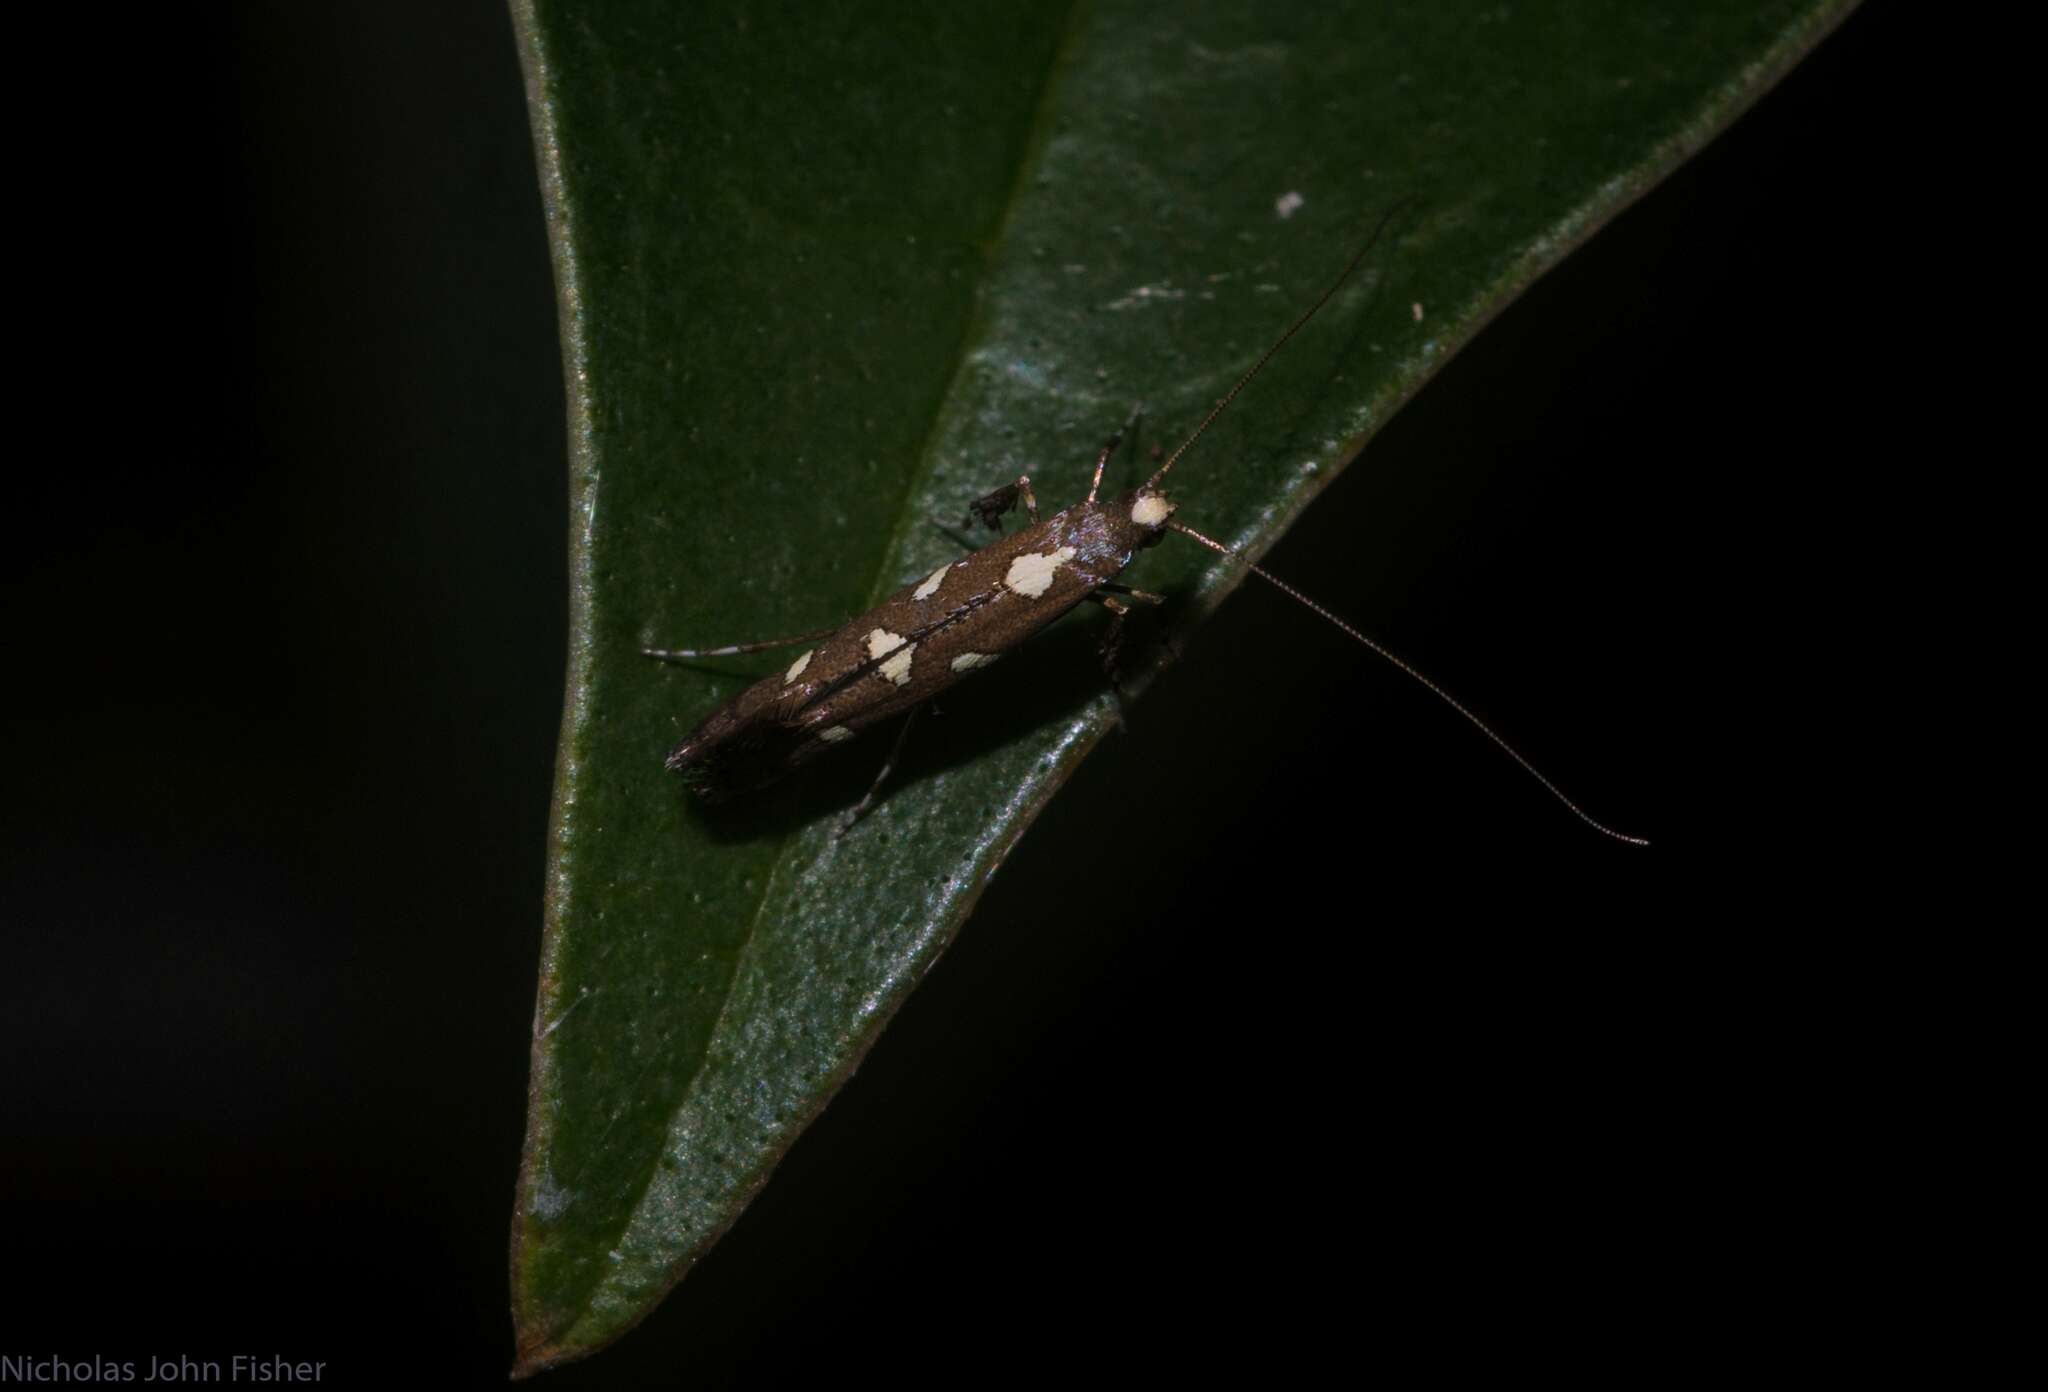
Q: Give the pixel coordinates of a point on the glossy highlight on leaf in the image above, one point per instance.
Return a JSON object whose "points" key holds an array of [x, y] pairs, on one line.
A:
{"points": [[826, 279]]}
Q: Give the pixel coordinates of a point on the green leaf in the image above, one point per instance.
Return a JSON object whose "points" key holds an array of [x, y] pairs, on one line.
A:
{"points": [[826, 278]]}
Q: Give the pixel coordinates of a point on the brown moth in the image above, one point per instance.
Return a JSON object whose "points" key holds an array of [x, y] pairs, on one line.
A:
{"points": [[919, 641]]}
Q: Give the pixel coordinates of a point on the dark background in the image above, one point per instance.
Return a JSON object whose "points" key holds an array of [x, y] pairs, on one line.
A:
{"points": [[287, 606]]}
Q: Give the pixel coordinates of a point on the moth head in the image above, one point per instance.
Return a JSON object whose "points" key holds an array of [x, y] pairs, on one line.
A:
{"points": [[1150, 509]]}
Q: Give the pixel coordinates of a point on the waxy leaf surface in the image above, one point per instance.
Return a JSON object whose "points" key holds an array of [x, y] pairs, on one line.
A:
{"points": [[828, 275]]}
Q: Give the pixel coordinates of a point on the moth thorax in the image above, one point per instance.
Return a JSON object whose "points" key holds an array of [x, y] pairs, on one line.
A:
{"points": [[1150, 510]]}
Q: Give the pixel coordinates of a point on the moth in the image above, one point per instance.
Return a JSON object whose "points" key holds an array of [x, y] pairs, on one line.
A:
{"points": [[968, 614]]}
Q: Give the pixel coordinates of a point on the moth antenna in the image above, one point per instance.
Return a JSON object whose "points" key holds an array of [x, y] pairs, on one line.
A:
{"points": [[1292, 329], [1220, 549]]}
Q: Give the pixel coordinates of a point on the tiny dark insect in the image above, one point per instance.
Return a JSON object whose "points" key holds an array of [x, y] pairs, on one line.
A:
{"points": [[964, 615]]}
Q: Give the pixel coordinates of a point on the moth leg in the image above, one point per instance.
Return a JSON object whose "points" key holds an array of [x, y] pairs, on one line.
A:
{"points": [[860, 809], [1147, 597], [685, 654], [1112, 647], [1102, 459], [990, 509]]}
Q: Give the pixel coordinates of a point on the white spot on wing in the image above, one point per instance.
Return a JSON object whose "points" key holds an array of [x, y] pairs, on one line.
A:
{"points": [[930, 586], [796, 668], [835, 734], [1031, 574], [881, 643], [1288, 204], [967, 662]]}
